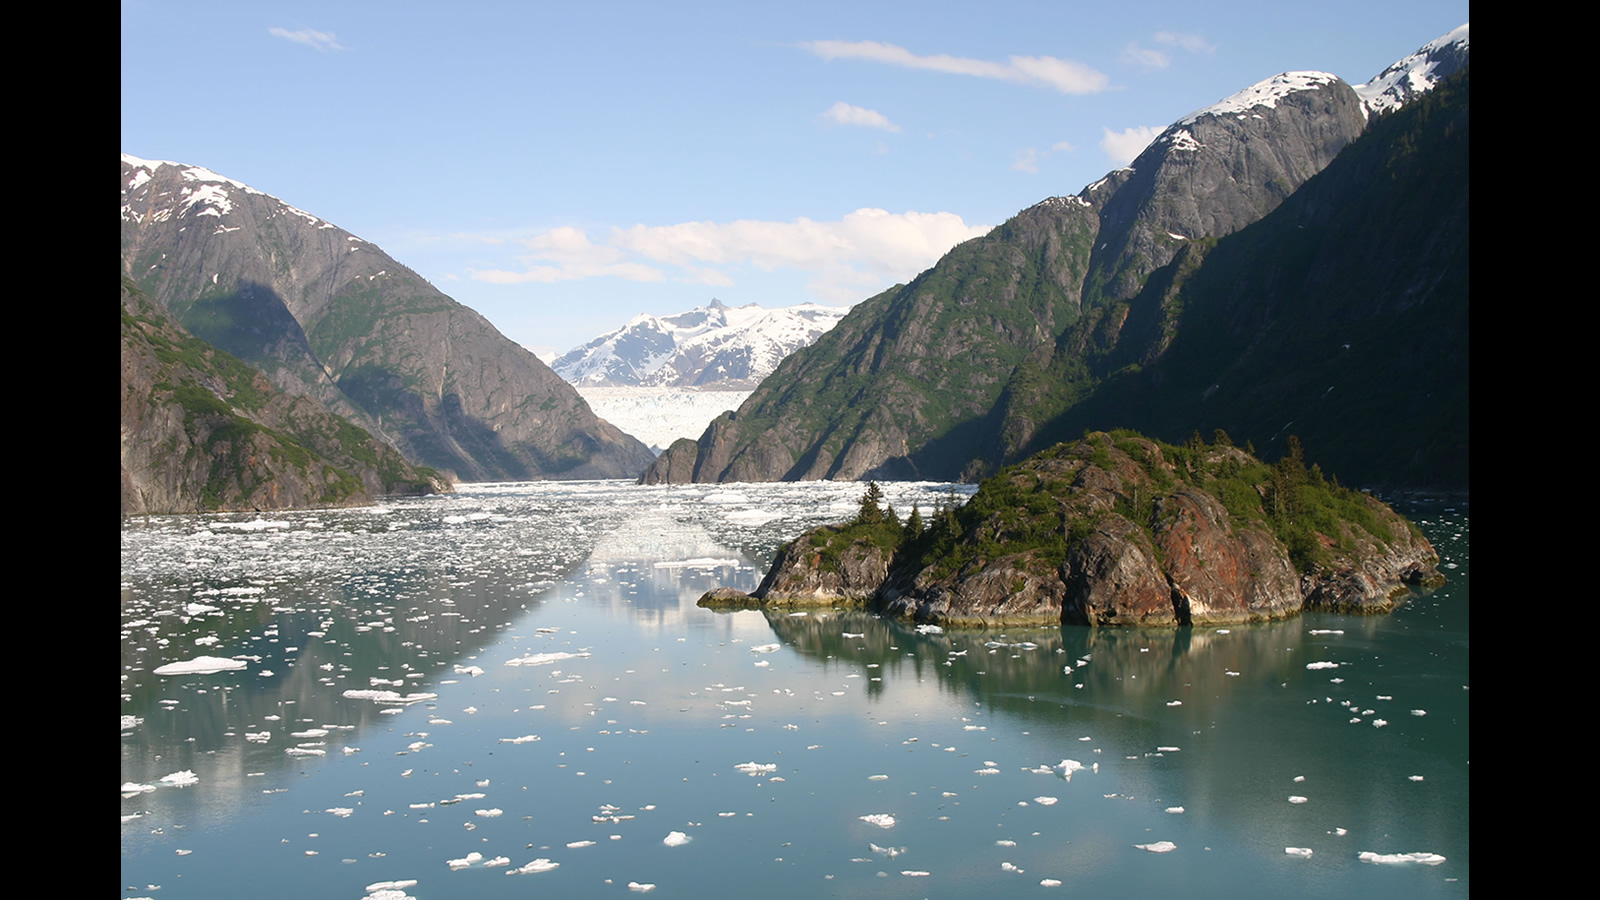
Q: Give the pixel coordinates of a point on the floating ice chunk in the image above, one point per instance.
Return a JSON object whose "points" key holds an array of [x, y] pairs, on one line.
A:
{"points": [[474, 671], [1299, 778], [532, 868], [464, 861], [342, 812], [877, 778], [544, 659], [184, 777], [489, 813], [765, 648], [1414, 777], [1296, 799], [498, 861], [525, 739], [306, 751], [914, 873], [1326, 631], [929, 629], [389, 696], [755, 768], [643, 888], [1302, 852], [1045, 801], [133, 787], [579, 845], [676, 839], [1005, 843], [1158, 847], [1427, 859], [853, 635], [1175, 810], [1379, 723], [882, 820], [1010, 867], [1322, 665], [1049, 882], [1068, 766], [201, 665], [1419, 712], [1167, 749], [986, 771]]}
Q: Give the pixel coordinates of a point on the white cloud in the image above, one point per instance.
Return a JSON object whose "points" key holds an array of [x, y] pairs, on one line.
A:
{"points": [[1060, 146], [863, 251], [842, 113], [1124, 146], [1042, 71], [1140, 56], [320, 40], [1027, 160], [574, 257], [1194, 43]]}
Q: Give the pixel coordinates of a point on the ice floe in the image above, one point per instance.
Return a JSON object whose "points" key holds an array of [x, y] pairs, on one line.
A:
{"points": [[201, 665], [882, 820], [1427, 859], [539, 865], [1322, 665], [1302, 852], [1158, 847], [676, 839]]}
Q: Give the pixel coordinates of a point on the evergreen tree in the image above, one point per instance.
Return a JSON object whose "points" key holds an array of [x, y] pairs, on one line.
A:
{"points": [[914, 523], [871, 513]]}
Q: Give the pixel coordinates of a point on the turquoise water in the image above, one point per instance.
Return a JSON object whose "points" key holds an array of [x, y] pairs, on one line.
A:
{"points": [[624, 730]]}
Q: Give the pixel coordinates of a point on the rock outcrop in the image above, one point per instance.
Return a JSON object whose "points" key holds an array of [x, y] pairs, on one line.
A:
{"points": [[1117, 529]]}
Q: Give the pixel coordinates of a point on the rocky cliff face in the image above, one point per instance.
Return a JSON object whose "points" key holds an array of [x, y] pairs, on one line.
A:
{"points": [[327, 314], [203, 431], [1117, 529], [979, 361]]}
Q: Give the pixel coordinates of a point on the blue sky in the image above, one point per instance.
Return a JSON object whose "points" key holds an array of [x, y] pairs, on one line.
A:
{"points": [[562, 168]]}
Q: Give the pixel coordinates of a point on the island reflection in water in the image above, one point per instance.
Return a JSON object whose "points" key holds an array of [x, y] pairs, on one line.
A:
{"points": [[633, 711]]}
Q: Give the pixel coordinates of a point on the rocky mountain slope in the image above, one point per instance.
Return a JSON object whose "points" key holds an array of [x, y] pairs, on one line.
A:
{"points": [[978, 361], [203, 431], [324, 313], [714, 347], [1117, 529]]}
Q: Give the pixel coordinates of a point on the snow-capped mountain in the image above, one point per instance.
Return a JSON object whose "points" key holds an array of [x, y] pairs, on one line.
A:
{"points": [[1416, 74], [713, 347]]}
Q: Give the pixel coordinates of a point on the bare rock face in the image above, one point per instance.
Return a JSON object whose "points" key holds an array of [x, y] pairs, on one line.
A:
{"points": [[817, 571], [1120, 530]]}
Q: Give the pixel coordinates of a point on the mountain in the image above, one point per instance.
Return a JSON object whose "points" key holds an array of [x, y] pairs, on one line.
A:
{"points": [[326, 314], [203, 431], [1417, 74], [712, 347], [982, 359]]}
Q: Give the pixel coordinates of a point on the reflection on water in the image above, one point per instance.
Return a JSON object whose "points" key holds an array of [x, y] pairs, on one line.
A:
{"points": [[638, 708]]}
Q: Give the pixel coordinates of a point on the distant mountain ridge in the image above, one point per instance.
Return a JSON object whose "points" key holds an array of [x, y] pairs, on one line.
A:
{"points": [[714, 347], [327, 314], [982, 359]]}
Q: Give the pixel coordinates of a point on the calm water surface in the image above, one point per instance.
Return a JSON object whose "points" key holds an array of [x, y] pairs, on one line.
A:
{"points": [[569, 703]]}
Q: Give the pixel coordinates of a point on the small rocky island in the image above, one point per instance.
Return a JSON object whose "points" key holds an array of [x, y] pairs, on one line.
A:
{"points": [[1114, 529]]}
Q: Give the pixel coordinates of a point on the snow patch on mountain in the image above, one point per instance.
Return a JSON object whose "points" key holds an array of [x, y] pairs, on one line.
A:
{"points": [[207, 197], [715, 346], [1264, 93], [1416, 74]]}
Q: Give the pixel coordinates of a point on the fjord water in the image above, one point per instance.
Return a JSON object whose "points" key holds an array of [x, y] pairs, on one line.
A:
{"points": [[587, 713]]}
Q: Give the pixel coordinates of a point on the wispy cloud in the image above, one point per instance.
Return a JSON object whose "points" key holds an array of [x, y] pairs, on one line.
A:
{"points": [[1193, 43], [845, 258], [1144, 57], [842, 113], [1027, 159], [567, 254], [1123, 147], [1063, 75], [320, 40]]}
